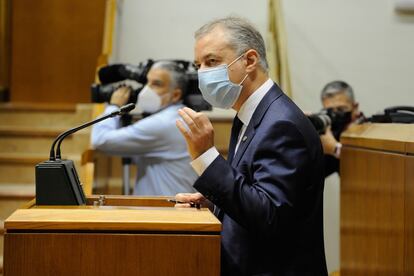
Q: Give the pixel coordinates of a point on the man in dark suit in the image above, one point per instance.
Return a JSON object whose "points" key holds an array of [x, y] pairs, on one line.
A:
{"points": [[269, 192]]}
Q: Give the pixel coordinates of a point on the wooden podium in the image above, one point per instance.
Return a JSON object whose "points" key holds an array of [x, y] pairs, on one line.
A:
{"points": [[377, 200], [125, 236]]}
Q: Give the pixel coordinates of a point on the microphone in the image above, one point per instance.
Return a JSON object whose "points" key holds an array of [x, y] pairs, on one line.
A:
{"points": [[123, 110], [57, 182]]}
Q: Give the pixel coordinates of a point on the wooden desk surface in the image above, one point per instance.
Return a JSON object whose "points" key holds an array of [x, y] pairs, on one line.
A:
{"points": [[388, 137], [122, 218]]}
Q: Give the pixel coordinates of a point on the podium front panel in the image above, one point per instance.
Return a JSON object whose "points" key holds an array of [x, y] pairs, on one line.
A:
{"points": [[122, 240]]}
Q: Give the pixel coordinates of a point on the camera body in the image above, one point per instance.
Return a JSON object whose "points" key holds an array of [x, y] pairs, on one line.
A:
{"points": [[135, 76], [320, 121], [102, 93], [338, 121], [114, 76]]}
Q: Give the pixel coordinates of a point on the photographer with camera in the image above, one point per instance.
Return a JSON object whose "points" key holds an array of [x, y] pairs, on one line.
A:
{"points": [[338, 101], [154, 142]]}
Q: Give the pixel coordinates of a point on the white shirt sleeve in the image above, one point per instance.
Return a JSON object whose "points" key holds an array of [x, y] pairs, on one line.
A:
{"points": [[201, 163], [153, 135]]}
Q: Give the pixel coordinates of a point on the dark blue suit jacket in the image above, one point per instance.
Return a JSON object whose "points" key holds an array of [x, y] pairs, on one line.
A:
{"points": [[270, 194]]}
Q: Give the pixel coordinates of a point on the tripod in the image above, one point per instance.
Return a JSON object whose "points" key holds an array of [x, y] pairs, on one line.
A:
{"points": [[126, 120]]}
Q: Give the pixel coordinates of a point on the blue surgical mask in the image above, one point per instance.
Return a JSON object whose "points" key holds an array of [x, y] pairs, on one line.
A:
{"points": [[216, 87]]}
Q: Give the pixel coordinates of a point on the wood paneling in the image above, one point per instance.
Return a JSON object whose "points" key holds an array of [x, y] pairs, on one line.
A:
{"points": [[55, 46], [222, 130], [112, 240], [4, 44], [409, 215], [372, 212], [377, 200], [45, 254]]}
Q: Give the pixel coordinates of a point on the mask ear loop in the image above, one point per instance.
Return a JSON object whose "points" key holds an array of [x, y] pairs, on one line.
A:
{"points": [[245, 77], [231, 63]]}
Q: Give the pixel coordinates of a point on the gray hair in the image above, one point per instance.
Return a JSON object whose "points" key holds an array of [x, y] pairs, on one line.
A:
{"points": [[336, 87], [177, 74], [242, 36]]}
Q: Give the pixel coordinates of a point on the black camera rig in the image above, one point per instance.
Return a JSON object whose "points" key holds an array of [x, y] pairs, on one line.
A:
{"points": [[135, 76], [337, 120]]}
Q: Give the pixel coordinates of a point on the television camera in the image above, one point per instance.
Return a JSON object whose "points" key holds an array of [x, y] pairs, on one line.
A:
{"points": [[135, 76]]}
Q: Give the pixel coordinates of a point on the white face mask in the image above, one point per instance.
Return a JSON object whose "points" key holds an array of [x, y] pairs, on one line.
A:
{"points": [[148, 100]]}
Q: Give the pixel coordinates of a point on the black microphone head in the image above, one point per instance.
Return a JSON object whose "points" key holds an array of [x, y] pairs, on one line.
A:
{"points": [[127, 108], [111, 73]]}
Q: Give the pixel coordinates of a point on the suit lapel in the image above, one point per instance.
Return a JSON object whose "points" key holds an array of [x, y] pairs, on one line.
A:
{"points": [[273, 94], [244, 142]]}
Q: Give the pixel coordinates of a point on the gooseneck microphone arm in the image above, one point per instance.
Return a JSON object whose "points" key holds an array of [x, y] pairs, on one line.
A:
{"points": [[123, 110]]}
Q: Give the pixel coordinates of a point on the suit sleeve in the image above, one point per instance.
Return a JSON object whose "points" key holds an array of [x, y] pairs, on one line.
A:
{"points": [[263, 195]]}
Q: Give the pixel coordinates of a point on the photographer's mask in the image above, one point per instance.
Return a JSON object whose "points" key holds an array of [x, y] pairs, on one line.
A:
{"points": [[148, 100], [216, 87]]}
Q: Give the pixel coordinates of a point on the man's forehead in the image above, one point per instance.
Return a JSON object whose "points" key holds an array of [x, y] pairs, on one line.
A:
{"points": [[158, 74], [214, 50], [212, 43], [338, 99]]}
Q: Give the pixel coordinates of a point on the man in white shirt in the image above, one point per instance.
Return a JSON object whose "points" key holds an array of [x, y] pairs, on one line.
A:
{"points": [[154, 143]]}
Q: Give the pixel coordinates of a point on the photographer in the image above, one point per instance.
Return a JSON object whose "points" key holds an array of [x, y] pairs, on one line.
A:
{"points": [[338, 97], [154, 143]]}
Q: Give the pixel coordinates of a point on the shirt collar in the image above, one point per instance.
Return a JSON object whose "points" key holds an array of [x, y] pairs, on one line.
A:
{"points": [[249, 106]]}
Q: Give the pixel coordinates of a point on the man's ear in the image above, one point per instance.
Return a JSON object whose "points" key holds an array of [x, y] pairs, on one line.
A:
{"points": [[176, 95], [252, 60], [355, 111], [355, 105]]}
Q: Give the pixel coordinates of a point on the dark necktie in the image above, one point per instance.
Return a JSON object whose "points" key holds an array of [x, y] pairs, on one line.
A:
{"points": [[235, 130]]}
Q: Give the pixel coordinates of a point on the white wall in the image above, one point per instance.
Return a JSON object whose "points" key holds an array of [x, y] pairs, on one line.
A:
{"points": [[165, 29], [362, 42]]}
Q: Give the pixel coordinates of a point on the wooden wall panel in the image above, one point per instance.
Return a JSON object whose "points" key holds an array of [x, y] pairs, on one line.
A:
{"points": [[55, 47], [409, 215], [4, 45], [372, 212], [50, 254]]}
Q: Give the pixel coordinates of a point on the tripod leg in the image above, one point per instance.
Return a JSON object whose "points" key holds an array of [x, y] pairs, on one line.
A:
{"points": [[126, 162]]}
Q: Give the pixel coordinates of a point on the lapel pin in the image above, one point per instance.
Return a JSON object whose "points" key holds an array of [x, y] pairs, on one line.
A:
{"points": [[244, 138]]}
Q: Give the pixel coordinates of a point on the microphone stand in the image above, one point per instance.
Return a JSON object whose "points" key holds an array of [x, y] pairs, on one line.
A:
{"points": [[126, 120], [57, 182]]}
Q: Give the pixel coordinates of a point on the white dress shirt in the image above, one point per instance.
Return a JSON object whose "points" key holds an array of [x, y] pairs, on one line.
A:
{"points": [[157, 147], [245, 114]]}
